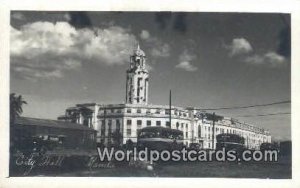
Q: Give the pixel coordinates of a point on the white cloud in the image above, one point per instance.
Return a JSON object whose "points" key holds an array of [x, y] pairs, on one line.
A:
{"points": [[45, 49], [145, 34], [269, 59], [149, 67], [185, 61], [275, 58], [161, 50], [157, 48], [187, 66], [239, 46]]}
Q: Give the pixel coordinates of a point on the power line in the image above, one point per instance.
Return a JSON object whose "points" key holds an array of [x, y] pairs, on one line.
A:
{"points": [[242, 107], [272, 114]]}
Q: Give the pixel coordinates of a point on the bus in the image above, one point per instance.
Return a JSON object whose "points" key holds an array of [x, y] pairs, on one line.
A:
{"points": [[230, 142], [160, 138]]}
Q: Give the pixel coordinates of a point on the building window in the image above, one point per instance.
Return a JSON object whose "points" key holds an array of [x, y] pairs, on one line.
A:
{"points": [[199, 131], [118, 125], [167, 111], [128, 132], [148, 123], [112, 110], [128, 121], [168, 124], [139, 124], [177, 125], [186, 126], [181, 125], [186, 134], [119, 111], [128, 110], [148, 111], [158, 123], [157, 111], [138, 111]]}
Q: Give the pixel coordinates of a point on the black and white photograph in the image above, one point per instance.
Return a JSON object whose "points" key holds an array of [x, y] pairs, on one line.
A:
{"points": [[156, 94], [125, 80]]}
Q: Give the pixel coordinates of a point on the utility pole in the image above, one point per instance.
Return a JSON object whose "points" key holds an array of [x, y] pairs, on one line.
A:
{"points": [[170, 108], [213, 132], [104, 122]]}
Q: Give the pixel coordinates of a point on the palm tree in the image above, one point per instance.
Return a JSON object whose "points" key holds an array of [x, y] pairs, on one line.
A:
{"points": [[16, 103]]}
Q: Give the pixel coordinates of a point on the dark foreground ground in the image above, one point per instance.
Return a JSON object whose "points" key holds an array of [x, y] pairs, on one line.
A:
{"points": [[212, 169], [272, 170], [77, 164]]}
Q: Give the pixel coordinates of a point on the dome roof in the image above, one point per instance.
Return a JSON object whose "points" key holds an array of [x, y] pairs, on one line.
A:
{"points": [[138, 51]]}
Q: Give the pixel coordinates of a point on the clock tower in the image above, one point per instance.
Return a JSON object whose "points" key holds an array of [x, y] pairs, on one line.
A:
{"points": [[137, 79]]}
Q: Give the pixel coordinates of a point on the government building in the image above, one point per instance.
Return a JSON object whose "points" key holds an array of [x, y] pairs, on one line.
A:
{"points": [[117, 123]]}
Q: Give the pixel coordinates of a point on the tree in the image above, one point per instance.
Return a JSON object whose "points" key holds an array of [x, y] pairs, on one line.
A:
{"points": [[16, 107]]}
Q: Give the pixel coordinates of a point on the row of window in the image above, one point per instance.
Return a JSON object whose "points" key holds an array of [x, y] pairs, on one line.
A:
{"points": [[148, 111], [148, 123], [157, 123], [167, 124], [231, 131]]}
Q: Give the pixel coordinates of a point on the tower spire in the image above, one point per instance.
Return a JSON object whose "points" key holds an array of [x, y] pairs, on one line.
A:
{"points": [[137, 78]]}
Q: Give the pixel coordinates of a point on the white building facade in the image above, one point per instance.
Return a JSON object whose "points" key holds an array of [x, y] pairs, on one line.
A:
{"points": [[117, 123]]}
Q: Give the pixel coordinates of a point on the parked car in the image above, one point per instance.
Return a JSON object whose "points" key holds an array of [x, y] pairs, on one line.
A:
{"points": [[195, 146]]}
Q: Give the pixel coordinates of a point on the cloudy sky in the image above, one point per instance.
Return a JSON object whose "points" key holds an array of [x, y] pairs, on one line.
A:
{"points": [[209, 60]]}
